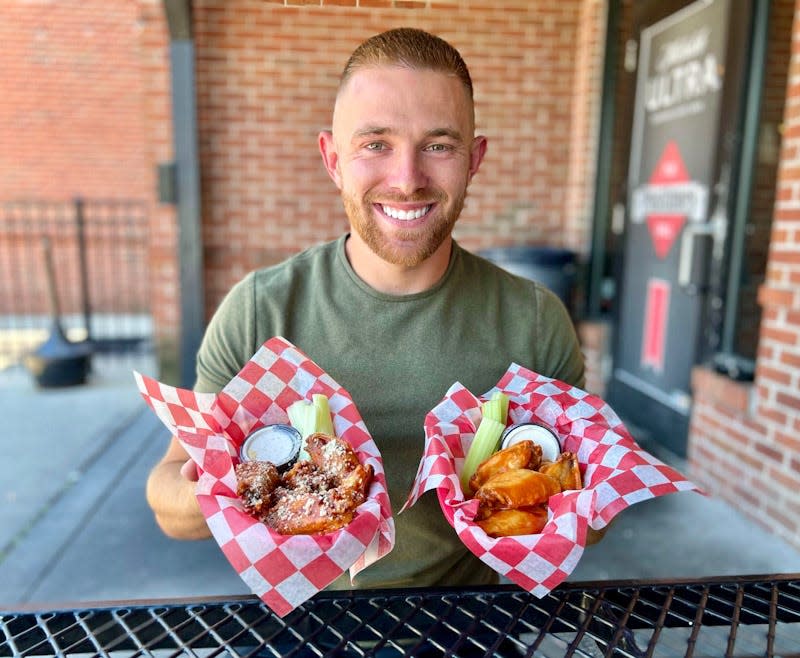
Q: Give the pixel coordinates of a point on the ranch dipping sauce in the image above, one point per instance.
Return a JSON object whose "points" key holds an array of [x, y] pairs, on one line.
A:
{"points": [[539, 434], [279, 444]]}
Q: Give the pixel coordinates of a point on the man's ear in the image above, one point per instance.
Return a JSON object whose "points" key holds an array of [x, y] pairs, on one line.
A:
{"points": [[476, 154], [329, 156]]}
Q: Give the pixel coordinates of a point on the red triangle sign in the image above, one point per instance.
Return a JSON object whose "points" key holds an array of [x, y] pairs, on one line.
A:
{"points": [[664, 229], [670, 167]]}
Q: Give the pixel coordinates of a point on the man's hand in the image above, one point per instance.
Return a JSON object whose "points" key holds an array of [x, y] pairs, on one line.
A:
{"points": [[170, 494]]}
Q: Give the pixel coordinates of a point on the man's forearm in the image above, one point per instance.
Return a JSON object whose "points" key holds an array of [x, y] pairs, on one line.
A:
{"points": [[172, 499]]}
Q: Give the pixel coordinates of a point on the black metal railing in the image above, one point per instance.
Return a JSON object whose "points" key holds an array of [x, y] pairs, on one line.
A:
{"points": [[98, 250], [727, 616]]}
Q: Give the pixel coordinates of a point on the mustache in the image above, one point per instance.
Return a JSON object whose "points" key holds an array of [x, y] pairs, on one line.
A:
{"points": [[422, 196]]}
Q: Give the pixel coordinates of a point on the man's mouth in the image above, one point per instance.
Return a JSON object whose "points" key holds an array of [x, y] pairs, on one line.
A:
{"points": [[405, 215]]}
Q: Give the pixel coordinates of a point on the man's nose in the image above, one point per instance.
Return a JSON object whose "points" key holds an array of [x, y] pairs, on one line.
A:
{"points": [[408, 173]]}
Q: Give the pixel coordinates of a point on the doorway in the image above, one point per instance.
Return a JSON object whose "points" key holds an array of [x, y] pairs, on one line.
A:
{"points": [[677, 203]]}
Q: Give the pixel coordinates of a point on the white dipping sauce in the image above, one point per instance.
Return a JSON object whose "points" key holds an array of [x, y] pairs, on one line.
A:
{"points": [[539, 434], [278, 444]]}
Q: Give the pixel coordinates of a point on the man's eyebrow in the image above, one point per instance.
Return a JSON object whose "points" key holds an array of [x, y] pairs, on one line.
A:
{"points": [[446, 132], [369, 131]]}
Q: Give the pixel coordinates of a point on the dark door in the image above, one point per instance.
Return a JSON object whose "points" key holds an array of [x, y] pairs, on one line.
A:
{"points": [[682, 150]]}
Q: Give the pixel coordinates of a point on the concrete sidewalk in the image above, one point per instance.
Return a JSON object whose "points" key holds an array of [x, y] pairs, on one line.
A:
{"points": [[78, 528], [75, 526]]}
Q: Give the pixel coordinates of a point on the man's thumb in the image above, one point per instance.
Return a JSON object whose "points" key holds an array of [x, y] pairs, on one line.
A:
{"points": [[189, 470]]}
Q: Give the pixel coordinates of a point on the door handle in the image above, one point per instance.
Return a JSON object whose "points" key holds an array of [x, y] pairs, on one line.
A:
{"points": [[692, 267]]}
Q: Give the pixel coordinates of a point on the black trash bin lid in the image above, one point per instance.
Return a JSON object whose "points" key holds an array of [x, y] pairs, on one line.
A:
{"points": [[529, 254]]}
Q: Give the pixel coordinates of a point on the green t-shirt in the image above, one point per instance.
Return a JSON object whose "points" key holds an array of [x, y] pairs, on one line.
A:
{"points": [[397, 356]]}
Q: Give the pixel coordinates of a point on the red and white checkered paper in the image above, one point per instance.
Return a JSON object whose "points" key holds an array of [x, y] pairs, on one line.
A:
{"points": [[616, 473], [282, 570]]}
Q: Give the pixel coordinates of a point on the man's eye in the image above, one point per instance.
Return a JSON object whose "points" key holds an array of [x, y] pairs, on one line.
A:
{"points": [[375, 146], [438, 147]]}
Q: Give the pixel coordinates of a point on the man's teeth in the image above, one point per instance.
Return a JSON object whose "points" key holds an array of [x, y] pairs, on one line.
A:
{"points": [[396, 213]]}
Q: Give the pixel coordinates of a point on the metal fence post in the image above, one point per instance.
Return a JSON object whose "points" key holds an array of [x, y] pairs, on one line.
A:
{"points": [[80, 224]]}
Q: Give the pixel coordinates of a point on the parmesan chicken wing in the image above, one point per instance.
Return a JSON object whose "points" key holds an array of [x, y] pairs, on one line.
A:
{"points": [[314, 496], [255, 484], [331, 454], [309, 510]]}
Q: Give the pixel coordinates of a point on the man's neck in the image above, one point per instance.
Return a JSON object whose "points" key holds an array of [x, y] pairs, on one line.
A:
{"points": [[396, 279]]}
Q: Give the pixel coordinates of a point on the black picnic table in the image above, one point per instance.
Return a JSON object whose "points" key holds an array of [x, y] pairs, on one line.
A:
{"points": [[756, 615]]}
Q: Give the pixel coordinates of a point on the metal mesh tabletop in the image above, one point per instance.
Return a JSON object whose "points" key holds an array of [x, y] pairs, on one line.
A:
{"points": [[733, 616]]}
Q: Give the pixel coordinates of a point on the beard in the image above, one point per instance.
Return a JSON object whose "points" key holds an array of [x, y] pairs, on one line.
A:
{"points": [[419, 243]]}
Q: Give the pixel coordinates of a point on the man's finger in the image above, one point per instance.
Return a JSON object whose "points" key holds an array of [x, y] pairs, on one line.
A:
{"points": [[189, 471]]}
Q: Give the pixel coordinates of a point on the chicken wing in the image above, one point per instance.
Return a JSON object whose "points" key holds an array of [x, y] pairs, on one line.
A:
{"points": [[332, 454], [307, 511], [520, 487], [507, 522], [255, 483], [565, 470], [524, 454], [314, 496]]}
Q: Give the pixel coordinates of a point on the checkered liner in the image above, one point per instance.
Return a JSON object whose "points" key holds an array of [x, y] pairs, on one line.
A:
{"points": [[283, 570], [616, 474]]}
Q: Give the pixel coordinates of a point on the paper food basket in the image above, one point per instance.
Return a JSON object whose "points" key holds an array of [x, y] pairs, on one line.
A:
{"points": [[282, 570], [616, 473]]}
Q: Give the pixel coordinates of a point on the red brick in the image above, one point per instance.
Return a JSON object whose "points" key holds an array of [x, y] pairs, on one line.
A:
{"points": [[719, 389], [771, 296], [787, 400], [789, 337], [776, 375], [768, 452], [789, 359]]}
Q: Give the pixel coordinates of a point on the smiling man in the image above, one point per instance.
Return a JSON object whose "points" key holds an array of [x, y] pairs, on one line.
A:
{"points": [[395, 310], [402, 152]]}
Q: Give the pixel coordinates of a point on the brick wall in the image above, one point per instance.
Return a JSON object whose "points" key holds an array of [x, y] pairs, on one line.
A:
{"points": [[267, 75], [745, 438], [70, 112], [85, 112], [584, 123], [96, 119]]}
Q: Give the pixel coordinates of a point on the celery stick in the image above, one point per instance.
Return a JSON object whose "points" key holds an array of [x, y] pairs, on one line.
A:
{"points": [[307, 430], [496, 407], [297, 412], [301, 417], [322, 420], [493, 422], [503, 404], [310, 417], [489, 409], [483, 445]]}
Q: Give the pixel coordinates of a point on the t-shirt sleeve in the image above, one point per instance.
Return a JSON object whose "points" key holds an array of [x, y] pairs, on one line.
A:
{"points": [[228, 341], [557, 341]]}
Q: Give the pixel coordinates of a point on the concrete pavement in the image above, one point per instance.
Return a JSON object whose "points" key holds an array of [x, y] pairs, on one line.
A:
{"points": [[75, 526]]}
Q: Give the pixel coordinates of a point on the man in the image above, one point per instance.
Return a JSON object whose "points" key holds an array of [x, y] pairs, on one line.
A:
{"points": [[395, 311]]}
